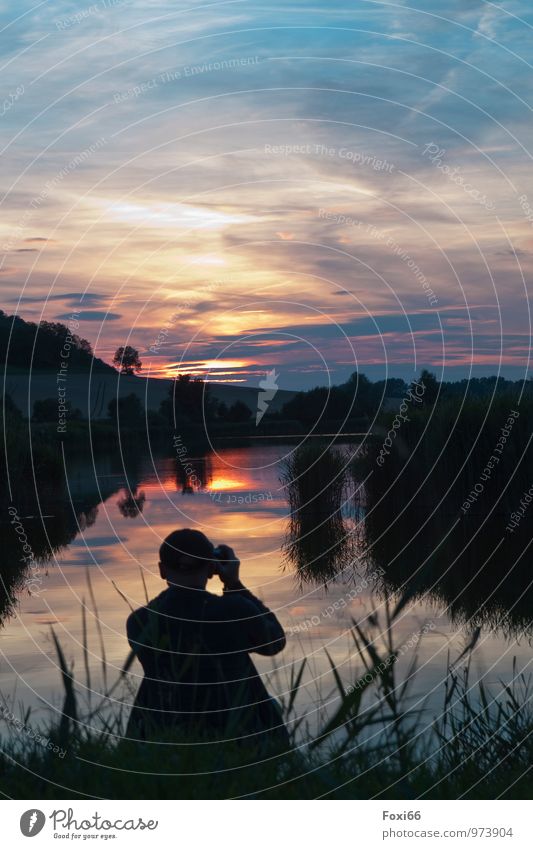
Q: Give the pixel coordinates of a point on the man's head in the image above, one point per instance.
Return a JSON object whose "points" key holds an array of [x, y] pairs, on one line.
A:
{"points": [[186, 558]]}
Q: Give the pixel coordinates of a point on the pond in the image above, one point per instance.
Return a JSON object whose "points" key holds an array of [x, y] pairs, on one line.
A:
{"points": [[106, 555]]}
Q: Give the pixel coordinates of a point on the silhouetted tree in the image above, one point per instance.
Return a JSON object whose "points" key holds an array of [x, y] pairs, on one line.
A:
{"points": [[238, 412], [188, 398], [307, 407], [127, 360], [431, 387], [320, 403], [355, 398], [360, 390], [395, 387]]}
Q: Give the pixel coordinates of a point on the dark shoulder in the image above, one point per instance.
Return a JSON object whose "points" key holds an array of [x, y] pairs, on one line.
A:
{"points": [[136, 621], [138, 618]]}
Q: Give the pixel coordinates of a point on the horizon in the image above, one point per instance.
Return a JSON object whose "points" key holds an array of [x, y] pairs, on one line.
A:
{"points": [[145, 373]]}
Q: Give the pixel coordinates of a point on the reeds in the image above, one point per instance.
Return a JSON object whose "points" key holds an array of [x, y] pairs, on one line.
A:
{"points": [[318, 542], [373, 744]]}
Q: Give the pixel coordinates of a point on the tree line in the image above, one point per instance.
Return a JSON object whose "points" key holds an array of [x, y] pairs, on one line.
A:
{"points": [[190, 401], [42, 345]]}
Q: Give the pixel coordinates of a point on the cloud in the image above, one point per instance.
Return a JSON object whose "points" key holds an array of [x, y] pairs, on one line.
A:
{"points": [[517, 253], [71, 298], [185, 182], [92, 315]]}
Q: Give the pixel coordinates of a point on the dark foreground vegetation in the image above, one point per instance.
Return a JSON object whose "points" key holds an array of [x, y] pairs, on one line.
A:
{"points": [[446, 509], [377, 742]]}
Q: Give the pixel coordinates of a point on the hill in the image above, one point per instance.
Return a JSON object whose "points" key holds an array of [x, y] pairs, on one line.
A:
{"points": [[33, 355], [45, 346]]}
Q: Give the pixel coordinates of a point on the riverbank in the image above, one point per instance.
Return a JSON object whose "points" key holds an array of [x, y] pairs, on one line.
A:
{"points": [[373, 744]]}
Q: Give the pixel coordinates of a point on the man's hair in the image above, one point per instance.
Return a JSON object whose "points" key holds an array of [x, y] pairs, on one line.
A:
{"points": [[185, 542]]}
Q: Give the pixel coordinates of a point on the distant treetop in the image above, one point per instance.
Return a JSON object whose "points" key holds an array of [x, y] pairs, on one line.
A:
{"points": [[127, 360]]}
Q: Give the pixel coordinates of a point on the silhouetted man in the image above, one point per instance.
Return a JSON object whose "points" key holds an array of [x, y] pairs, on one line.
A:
{"points": [[194, 647]]}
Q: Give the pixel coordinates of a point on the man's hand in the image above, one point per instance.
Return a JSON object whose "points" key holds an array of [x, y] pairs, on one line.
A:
{"points": [[228, 568]]}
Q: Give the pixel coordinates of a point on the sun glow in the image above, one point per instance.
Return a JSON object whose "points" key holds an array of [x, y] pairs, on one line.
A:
{"points": [[225, 483]]}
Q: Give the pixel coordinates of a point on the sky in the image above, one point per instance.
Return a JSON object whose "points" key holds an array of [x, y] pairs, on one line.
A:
{"points": [[235, 187]]}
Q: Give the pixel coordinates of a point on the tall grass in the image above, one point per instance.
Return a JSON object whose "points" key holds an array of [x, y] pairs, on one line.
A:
{"points": [[373, 744], [318, 542]]}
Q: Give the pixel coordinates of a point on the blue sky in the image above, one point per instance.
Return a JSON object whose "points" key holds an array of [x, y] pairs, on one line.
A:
{"points": [[273, 185]]}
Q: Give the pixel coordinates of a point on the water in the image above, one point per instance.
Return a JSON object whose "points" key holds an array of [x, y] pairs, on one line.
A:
{"points": [[235, 497]]}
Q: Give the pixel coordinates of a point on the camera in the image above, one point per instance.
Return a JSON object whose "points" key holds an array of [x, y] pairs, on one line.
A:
{"points": [[217, 555]]}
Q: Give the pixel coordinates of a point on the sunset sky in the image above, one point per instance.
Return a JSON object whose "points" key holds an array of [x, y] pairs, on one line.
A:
{"points": [[243, 186]]}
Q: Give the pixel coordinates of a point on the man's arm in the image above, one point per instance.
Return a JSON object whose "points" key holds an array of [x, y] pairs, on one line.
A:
{"points": [[260, 630]]}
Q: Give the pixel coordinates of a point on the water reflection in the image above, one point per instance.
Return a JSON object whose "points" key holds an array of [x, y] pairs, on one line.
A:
{"points": [[30, 542], [192, 473], [469, 566], [115, 519], [131, 503], [45, 522], [474, 572], [319, 542]]}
